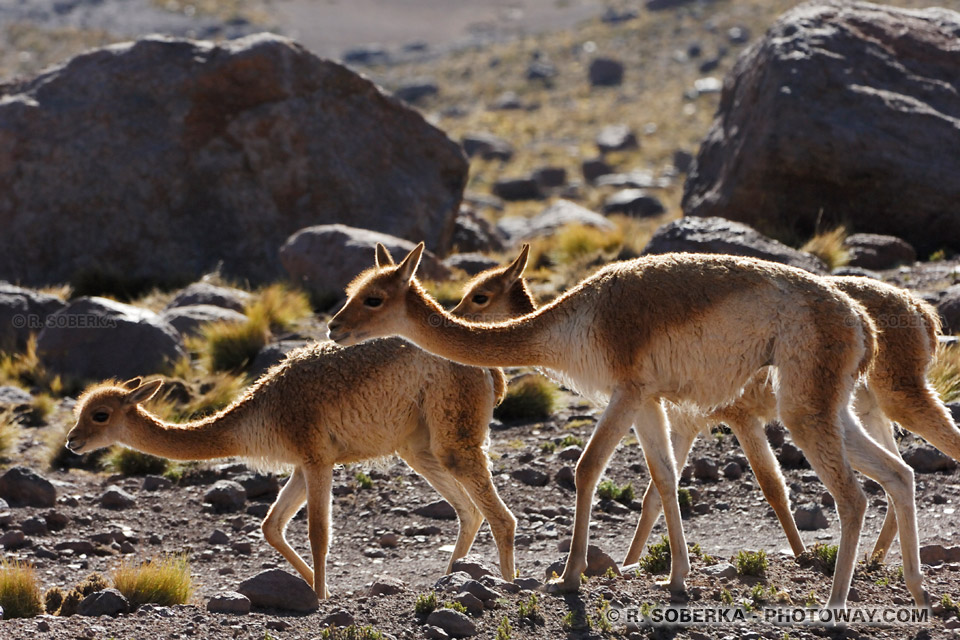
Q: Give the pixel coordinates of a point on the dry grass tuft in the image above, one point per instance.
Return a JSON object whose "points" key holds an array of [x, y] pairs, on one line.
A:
{"points": [[20, 595], [528, 399], [944, 375], [164, 581], [131, 462], [828, 246], [9, 434]]}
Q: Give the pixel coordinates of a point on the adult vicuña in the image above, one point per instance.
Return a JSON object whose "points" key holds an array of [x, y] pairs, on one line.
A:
{"points": [[685, 328], [894, 390], [327, 405]]}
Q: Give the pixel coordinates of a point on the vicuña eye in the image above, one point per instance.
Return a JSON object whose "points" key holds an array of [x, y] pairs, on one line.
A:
{"points": [[101, 416], [373, 302], [481, 298]]}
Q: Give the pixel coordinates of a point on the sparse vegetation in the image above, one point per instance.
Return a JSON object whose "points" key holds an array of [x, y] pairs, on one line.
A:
{"points": [[20, 594], [576, 620], [949, 606], [609, 490], [425, 605], [456, 606], [725, 596], [751, 563], [131, 462], [684, 498], [529, 611], [824, 556], [603, 619], [364, 481], [570, 440], [504, 629], [528, 399], [352, 632], [944, 375], [657, 559], [165, 581], [828, 246], [9, 432]]}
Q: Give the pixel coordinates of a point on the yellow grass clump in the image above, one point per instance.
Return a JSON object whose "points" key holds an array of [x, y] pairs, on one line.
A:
{"points": [[164, 581], [20, 594]]}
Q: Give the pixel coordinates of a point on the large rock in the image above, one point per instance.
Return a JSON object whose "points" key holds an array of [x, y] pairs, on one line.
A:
{"points": [[22, 487], [837, 115], [875, 251], [190, 320], [277, 589], [551, 220], [23, 312], [169, 156], [716, 235], [206, 294], [96, 338], [325, 258]]}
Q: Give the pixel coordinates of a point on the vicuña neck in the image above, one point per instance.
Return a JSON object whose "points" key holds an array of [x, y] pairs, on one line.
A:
{"points": [[213, 437], [522, 342]]}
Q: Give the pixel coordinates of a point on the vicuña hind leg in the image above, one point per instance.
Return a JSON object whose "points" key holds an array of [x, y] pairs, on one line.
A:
{"points": [[815, 430], [426, 464], [880, 428], [896, 478], [682, 440], [915, 406], [753, 438], [286, 505], [319, 482], [470, 468]]}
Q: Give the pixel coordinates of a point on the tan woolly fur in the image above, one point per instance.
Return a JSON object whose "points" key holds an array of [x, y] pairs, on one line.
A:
{"points": [[326, 405], [895, 389], [691, 329]]}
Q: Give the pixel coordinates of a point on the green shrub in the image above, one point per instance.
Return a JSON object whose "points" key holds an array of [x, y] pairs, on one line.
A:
{"points": [[364, 481], [456, 606], [751, 563], [131, 462], [20, 594], [504, 630], [571, 440], [529, 611], [657, 559], [352, 632], [825, 556], [609, 490], [529, 399], [426, 604]]}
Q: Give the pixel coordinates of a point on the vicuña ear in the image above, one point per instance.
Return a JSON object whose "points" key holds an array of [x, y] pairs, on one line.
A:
{"points": [[384, 259], [515, 271], [132, 383], [144, 392], [409, 265]]}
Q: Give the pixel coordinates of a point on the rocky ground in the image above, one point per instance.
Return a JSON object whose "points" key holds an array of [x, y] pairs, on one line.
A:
{"points": [[534, 95]]}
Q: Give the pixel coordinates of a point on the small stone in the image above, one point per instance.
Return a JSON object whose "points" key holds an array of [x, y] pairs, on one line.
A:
{"points": [[34, 526], [22, 487], [721, 570], [226, 496], [633, 202], [417, 90], [116, 498], [528, 584], [550, 176], [487, 146], [438, 510], [339, 618], [594, 168], [218, 537], [434, 633], [155, 483], [566, 478], [474, 566], [810, 517], [606, 72], [530, 477], [732, 471], [791, 457], [243, 547], [512, 189], [454, 623], [480, 590], [616, 137], [229, 602], [56, 521], [389, 540], [926, 459], [453, 582], [14, 539], [278, 625], [108, 602], [277, 589], [258, 485], [386, 586], [471, 603], [706, 470], [571, 453], [598, 561]]}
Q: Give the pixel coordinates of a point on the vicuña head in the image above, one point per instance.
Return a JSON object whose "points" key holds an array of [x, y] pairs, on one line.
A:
{"points": [[498, 294], [105, 412]]}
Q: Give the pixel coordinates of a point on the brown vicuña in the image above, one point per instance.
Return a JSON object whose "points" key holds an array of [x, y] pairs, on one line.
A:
{"points": [[684, 328], [326, 405], [895, 389]]}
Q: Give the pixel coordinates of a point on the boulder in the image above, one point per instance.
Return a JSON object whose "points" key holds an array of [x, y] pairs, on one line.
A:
{"points": [[226, 496], [551, 220], [185, 154], [874, 251], [810, 517], [97, 338], [325, 258], [716, 235], [948, 305], [14, 397], [833, 116], [22, 487], [23, 312], [191, 319], [530, 476], [598, 561], [206, 294], [926, 459], [472, 232], [454, 623], [277, 589]]}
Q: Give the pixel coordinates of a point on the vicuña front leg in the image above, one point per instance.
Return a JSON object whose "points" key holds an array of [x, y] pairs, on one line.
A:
{"points": [[286, 505], [611, 427], [682, 440], [319, 484]]}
